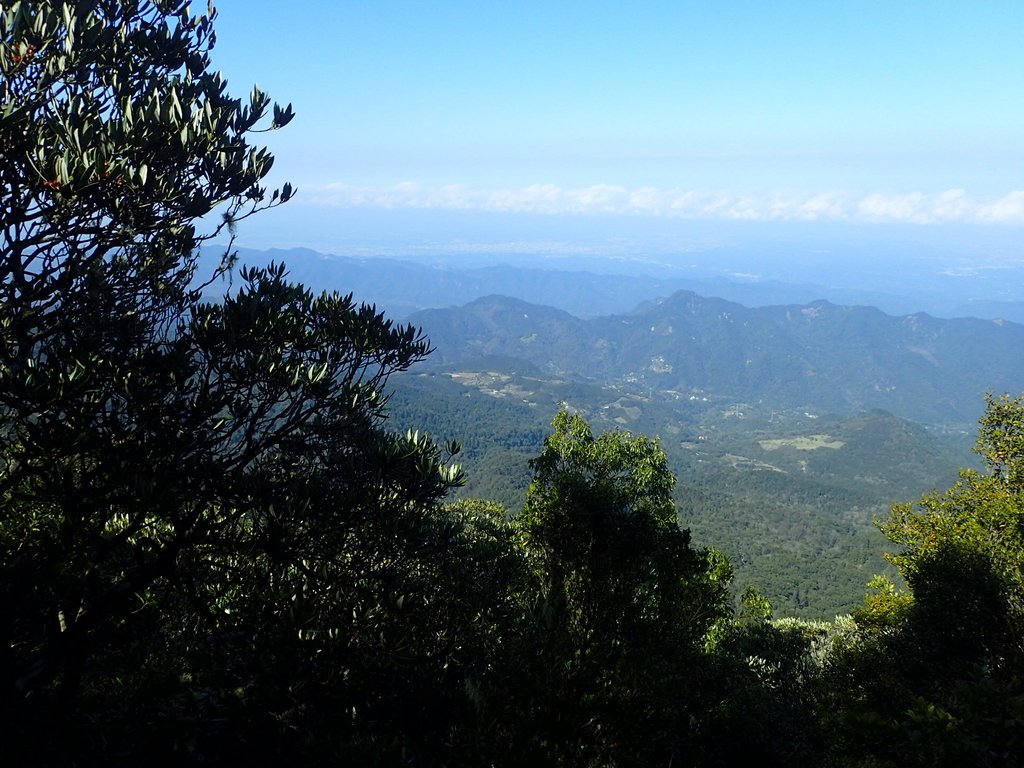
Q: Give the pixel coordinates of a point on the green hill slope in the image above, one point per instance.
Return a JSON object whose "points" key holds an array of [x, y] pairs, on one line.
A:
{"points": [[818, 357]]}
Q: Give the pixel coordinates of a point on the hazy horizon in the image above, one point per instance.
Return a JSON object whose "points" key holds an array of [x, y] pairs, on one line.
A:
{"points": [[795, 141]]}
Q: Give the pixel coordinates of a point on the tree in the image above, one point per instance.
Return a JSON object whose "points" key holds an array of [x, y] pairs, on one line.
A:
{"points": [[624, 603], [1001, 439], [934, 676], [187, 490], [965, 547]]}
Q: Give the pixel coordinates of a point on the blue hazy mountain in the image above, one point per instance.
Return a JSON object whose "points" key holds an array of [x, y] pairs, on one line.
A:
{"points": [[590, 287]]}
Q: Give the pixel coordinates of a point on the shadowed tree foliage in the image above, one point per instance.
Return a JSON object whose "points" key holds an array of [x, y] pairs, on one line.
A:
{"points": [[623, 604], [193, 497], [936, 676]]}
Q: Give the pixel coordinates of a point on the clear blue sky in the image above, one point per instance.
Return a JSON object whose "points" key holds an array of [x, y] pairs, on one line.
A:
{"points": [[892, 112]]}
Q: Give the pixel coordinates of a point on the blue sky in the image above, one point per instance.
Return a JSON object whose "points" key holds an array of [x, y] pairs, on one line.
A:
{"points": [[850, 113]]}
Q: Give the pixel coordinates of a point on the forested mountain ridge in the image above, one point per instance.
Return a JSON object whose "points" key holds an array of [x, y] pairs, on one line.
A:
{"points": [[819, 356]]}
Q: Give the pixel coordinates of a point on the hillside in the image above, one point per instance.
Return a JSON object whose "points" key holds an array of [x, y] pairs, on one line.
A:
{"points": [[819, 356]]}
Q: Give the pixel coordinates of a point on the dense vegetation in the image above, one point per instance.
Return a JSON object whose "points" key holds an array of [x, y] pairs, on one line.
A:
{"points": [[213, 549], [791, 499]]}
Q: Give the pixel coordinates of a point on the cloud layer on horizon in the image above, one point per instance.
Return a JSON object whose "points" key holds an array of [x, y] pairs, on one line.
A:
{"points": [[951, 206]]}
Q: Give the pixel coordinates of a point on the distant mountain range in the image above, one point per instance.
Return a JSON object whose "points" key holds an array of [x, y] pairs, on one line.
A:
{"points": [[591, 290], [817, 356], [768, 343]]}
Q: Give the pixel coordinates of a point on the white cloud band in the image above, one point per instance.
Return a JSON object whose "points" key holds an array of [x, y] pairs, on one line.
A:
{"points": [[605, 199]]}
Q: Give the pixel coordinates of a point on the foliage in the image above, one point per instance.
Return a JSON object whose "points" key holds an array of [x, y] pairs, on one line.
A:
{"points": [[934, 676], [624, 602], [1001, 438], [599, 516], [767, 673], [202, 521]]}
